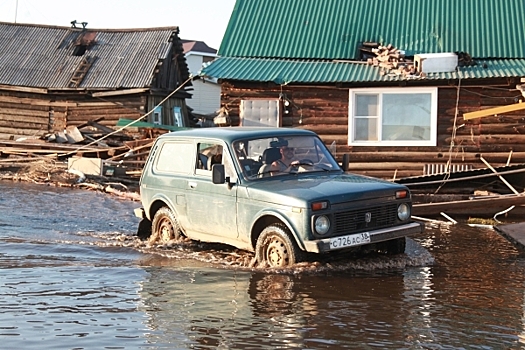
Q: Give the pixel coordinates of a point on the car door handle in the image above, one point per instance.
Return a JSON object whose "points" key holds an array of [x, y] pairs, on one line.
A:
{"points": [[192, 184]]}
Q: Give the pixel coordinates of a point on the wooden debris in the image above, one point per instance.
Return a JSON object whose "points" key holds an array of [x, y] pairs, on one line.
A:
{"points": [[55, 173], [389, 59]]}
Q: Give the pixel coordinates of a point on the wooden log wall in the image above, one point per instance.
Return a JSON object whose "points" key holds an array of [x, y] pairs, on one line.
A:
{"points": [[19, 117], [324, 109], [127, 107], [35, 115]]}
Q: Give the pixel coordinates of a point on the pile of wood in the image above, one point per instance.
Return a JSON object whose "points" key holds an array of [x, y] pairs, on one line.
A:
{"points": [[390, 59]]}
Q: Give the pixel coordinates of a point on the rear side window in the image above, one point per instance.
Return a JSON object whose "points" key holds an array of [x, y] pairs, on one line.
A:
{"points": [[176, 157]]}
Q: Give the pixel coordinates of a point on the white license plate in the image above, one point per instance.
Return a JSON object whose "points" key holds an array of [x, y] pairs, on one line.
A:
{"points": [[349, 241]]}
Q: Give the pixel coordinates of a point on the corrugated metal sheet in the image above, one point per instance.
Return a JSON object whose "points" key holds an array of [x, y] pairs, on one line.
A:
{"points": [[282, 71], [42, 56], [333, 29]]}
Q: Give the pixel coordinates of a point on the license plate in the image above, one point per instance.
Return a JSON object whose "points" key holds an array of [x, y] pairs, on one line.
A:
{"points": [[349, 241]]}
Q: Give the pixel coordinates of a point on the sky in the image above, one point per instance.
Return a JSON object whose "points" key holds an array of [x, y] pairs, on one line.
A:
{"points": [[201, 20]]}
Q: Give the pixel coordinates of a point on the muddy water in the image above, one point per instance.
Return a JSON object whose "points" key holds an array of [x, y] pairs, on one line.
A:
{"points": [[73, 276]]}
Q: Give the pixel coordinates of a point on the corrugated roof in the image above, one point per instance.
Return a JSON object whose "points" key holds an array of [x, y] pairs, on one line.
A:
{"points": [[298, 41], [333, 29], [282, 71], [43, 56]]}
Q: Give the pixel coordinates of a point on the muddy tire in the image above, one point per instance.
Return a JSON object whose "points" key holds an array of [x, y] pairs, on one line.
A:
{"points": [[277, 248], [164, 226], [144, 229]]}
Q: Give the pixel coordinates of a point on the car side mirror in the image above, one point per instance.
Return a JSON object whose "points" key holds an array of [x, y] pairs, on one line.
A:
{"points": [[217, 174]]}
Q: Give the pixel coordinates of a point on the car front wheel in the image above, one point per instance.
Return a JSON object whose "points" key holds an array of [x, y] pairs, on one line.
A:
{"points": [[276, 248], [164, 226]]}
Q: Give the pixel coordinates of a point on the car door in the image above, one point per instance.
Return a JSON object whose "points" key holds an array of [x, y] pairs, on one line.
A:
{"points": [[212, 208]]}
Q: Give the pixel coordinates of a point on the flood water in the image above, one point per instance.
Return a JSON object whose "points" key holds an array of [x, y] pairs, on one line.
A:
{"points": [[73, 276]]}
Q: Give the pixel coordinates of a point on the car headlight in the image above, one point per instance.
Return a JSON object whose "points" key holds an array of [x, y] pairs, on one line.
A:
{"points": [[322, 224], [403, 212]]}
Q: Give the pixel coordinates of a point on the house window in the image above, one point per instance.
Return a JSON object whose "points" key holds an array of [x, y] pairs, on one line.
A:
{"points": [[177, 117], [393, 117], [157, 115]]}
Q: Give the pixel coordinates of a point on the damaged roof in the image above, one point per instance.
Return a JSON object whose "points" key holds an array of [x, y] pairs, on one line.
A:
{"points": [[307, 40], [51, 57]]}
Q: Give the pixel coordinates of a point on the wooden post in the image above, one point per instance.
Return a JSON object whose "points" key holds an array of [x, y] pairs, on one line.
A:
{"points": [[346, 161]]}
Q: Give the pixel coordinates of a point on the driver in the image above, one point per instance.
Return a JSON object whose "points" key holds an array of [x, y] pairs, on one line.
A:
{"points": [[286, 161]]}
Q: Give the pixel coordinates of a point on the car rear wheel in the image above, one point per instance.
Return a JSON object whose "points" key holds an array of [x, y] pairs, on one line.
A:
{"points": [[277, 248], [164, 226]]}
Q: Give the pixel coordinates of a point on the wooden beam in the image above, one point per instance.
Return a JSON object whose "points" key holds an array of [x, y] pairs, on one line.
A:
{"points": [[23, 89], [493, 111], [118, 92]]}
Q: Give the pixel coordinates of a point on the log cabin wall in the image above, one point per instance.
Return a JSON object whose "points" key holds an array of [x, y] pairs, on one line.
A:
{"points": [[324, 110], [35, 115], [111, 109], [23, 115]]}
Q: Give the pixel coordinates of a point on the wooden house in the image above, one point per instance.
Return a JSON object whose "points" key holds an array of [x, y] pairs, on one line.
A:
{"points": [[206, 95], [52, 78], [389, 82]]}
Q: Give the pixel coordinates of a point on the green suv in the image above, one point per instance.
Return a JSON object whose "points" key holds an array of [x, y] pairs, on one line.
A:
{"points": [[277, 192]]}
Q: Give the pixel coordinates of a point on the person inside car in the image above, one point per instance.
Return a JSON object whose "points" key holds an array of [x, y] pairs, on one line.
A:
{"points": [[286, 161]]}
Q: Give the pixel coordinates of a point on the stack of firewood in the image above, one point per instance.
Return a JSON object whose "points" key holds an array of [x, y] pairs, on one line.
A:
{"points": [[390, 60]]}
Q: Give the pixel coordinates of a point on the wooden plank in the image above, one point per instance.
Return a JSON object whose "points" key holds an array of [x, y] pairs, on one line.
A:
{"points": [[118, 92], [386, 166], [23, 112], [493, 111], [23, 89], [23, 132], [23, 125], [34, 101], [515, 233], [481, 206], [97, 104]]}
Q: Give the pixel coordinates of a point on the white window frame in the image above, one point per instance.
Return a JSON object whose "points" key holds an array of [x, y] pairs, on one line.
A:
{"points": [[157, 115], [177, 117], [433, 91]]}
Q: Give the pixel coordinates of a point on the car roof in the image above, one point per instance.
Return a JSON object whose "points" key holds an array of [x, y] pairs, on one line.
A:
{"points": [[230, 134]]}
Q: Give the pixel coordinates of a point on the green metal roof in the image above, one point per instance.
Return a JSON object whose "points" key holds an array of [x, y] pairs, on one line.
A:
{"points": [[282, 71], [304, 41], [333, 29]]}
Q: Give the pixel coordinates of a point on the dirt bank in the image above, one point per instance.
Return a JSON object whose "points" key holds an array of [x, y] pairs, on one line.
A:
{"points": [[54, 173]]}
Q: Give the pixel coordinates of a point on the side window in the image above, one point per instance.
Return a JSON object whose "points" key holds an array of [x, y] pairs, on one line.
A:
{"points": [[208, 154], [175, 157], [214, 153]]}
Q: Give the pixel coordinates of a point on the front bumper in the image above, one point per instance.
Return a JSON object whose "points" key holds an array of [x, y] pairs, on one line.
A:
{"points": [[386, 234]]}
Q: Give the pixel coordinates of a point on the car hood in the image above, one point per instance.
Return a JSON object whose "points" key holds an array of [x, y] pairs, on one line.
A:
{"points": [[340, 188]]}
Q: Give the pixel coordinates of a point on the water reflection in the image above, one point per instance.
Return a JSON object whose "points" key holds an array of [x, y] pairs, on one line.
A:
{"points": [[73, 277], [211, 309], [469, 298]]}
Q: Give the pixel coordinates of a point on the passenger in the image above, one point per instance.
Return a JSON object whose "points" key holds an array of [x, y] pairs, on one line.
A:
{"points": [[214, 159]]}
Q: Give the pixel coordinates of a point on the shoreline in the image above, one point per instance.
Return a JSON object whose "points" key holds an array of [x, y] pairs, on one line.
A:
{"points": [[52, 173]]}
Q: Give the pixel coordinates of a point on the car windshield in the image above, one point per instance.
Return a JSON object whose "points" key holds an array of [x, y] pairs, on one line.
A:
{"points": [[279, 156]]}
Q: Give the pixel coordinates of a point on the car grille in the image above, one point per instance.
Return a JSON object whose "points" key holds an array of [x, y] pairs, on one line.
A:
{"points": [[347, 222]]}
